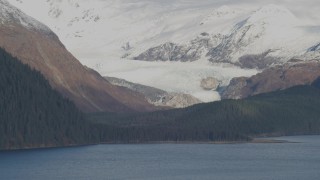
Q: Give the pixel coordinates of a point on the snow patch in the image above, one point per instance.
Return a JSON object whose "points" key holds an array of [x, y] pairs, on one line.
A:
{"points": [[273, 14], [10, 14]]}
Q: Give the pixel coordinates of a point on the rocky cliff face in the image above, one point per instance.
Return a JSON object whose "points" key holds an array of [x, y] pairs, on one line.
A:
{"points": [[36, 45], [273, 79], [191, 51]]}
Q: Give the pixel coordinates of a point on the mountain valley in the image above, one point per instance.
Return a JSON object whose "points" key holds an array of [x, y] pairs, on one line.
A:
{"points": [[145, 71], [108, 35]]}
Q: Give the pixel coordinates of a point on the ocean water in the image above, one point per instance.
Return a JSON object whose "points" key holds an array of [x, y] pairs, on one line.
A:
{"points": [[270, 161]]}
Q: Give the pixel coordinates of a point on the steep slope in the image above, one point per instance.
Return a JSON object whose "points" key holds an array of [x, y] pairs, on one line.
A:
{"points": [[32, 114], [36, 45]]}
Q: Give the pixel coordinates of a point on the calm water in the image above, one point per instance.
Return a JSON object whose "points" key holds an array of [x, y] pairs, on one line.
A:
{"points": [[286, 161]]}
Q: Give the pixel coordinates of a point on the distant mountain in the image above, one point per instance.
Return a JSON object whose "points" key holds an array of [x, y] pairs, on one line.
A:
{"points": [[34, 115], [161, 31], [271, 35], [36, 45]]}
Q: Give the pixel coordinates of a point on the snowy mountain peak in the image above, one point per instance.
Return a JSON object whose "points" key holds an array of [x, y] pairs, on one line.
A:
{"points": [[223, 10], [272, 14], [272, 9], [268, 32], [10, 14]]}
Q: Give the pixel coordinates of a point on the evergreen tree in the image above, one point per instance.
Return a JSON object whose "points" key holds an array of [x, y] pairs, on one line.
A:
{"points": [[32, 114]]}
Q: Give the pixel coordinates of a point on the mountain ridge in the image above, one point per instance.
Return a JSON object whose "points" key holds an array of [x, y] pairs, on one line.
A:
{"points": [[65, 73]]}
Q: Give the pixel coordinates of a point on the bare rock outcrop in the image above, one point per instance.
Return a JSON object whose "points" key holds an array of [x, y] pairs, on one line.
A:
{"points": [[178, 100], [209, 83]]}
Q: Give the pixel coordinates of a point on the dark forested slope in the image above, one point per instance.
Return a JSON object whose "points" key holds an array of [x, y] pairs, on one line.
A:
{"points": [[288, 112], [34, 115]]}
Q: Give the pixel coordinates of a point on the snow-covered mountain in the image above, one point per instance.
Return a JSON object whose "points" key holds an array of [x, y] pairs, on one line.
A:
{"points": [[123, 28], [100, 29], [108, 34], [271, 31], [271, 27]]}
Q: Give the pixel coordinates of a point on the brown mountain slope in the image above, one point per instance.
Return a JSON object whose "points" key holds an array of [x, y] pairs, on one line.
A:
{"points": [[273, 79], [34, 44]]}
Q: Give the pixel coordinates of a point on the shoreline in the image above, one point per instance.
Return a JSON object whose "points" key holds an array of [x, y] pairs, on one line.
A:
{"points": [[269, 141], [253, 141], [47, 147]]}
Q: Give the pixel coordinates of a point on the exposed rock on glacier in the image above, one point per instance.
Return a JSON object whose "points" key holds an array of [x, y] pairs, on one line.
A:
{"points": [[209, 83]]}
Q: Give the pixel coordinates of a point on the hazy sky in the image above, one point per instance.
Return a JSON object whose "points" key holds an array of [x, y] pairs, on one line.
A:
{"points": [[302, 8]]}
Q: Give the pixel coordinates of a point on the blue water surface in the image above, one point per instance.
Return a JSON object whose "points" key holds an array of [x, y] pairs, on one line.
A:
{"points": [[270, 161]]}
